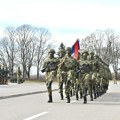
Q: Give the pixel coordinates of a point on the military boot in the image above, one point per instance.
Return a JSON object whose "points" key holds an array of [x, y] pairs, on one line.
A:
{"points": [[50, 99], [77, 96], [61, 94], [71, 93], [85, 100], [98, 94], [81, 95], [68, 99], [91, 97], [95, 96]]}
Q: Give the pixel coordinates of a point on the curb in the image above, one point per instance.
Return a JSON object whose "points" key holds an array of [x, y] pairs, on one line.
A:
{"points": [[24, 94]]}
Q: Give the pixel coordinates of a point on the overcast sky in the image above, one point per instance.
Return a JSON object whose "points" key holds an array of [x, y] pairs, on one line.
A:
{"points": [[67, 20]]}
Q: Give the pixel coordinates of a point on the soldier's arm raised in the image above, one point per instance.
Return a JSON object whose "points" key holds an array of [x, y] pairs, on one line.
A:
{"points": [[61, 63]]}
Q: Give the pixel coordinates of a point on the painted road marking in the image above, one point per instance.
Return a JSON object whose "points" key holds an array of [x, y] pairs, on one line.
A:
{"points": [[35, 116]]}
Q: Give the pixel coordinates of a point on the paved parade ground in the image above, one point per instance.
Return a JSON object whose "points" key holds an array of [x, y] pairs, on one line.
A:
{"points": [[28, 101], [14, 89]]}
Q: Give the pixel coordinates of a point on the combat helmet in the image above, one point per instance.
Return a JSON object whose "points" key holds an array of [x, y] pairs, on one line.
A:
{"points": [[96, 57], [85, 52], [68, 48], [91, 52], [61, 51], [52, 51]]}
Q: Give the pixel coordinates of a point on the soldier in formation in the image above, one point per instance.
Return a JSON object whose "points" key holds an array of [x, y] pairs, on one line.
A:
{"points": [[16, 77], [87, 76], [3, 75], [68, 65], [61, 73], [50, 67]]}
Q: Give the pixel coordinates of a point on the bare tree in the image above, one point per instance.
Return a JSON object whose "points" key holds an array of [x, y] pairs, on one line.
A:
{"points": [[94, 42], [42, 46], [3, 60], [109, 37], [24, 46], [112, 54], [25, 35], [106, 45], [9, 48], [30, 57], [98, 42], [115, 55]]}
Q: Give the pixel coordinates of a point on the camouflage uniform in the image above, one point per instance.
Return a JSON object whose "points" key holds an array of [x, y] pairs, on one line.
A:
{"points": [[107, 76], [50, 67], [93, 67], [77, 82], [6, 76], [61, 73], [85, 74], [69, 64], [95, 75], [102, 75], [3, 75]]}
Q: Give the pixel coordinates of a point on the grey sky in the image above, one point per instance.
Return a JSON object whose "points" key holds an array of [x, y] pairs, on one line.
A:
{"points": [[67, 20]]}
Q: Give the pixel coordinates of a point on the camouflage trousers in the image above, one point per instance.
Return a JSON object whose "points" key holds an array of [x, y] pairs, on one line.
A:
{"points": [[50, 77], [69, 84], [61, 76], [88, 85], [49, 87]]}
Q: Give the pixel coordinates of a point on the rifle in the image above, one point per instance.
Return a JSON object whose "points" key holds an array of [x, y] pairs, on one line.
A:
{"points": [[47, 67], [84, 67]]}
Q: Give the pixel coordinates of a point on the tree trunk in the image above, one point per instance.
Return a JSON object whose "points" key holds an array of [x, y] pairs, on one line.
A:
{"points": [[28, 72], [24, 71], [116, 74], [38, 72]]}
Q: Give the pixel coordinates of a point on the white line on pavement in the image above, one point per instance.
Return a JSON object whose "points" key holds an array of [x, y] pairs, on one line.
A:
{"points": [[35, 116], [73, 101]]}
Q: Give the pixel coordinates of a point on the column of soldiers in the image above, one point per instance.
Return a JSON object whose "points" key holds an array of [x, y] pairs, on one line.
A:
{"points": [[3, 75], [87, 76]]}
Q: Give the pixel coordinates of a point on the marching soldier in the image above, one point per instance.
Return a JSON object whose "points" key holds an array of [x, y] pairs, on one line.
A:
{"points": [[69, 64], [85, 75], [61, 73], [50, 67]]}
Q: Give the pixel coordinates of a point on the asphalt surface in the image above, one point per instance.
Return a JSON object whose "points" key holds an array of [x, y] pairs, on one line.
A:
{"points": [[17, 90], [34, 106]]}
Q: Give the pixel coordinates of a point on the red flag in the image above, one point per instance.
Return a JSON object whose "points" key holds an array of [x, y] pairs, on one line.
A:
{"points": [[75, 49]]}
